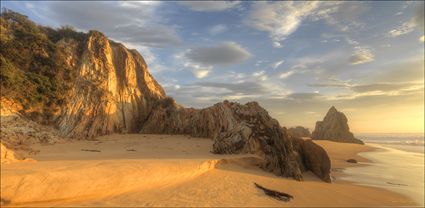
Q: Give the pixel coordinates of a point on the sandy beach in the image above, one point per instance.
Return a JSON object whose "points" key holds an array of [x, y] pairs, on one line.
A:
{"points": [[177, 171]]}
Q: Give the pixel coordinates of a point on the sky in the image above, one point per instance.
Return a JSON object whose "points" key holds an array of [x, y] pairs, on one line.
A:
{"points": [[296, 59]]}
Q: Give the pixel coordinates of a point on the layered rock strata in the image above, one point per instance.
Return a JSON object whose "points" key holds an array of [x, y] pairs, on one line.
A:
{"points": [[113, 92], [235, 128]]}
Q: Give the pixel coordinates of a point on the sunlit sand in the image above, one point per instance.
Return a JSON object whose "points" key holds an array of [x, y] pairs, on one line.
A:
{"points": [[165, 170]]}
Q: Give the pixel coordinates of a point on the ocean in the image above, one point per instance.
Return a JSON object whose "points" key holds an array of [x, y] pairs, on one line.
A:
{"points": [[410, 142], [397, 165]]}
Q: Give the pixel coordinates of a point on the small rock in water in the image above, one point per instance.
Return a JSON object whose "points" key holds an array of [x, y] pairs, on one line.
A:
{"points": [[352, 161]]}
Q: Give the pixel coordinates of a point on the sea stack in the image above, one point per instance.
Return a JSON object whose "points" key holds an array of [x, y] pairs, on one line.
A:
{"points": [[334, 127]]}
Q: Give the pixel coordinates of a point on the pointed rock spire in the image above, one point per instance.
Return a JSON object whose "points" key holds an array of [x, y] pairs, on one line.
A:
{"points": [[334, 127]]}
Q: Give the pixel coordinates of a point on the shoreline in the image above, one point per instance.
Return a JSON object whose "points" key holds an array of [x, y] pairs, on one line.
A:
{"points": [[394, 178], [173, 170]]}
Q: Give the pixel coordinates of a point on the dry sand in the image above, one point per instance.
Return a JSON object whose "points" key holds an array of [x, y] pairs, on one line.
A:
{"points": [[177, 171]]}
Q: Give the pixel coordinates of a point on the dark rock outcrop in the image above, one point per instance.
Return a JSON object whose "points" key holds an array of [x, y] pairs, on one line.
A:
{"points": [[334, 127], [299, 131], [236, 128], [313, 157]]}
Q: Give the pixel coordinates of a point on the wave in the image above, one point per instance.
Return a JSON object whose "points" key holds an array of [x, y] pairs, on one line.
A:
{"points": [[394, 139]]}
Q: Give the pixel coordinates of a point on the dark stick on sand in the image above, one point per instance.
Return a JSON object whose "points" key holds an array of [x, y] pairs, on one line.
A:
{"points": [[89, 150], [275, 194]]}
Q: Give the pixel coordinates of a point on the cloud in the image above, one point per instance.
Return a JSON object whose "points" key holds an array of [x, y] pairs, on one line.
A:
{"points": [[29, 5], [404, 71], [260, 75], [304, 96], [410, 25], [382, 88], [223, 54], [344, 16], [420, 15], [277, 64], [138, 23], [386, 87], [217, 29], [244, 88], [361, 55], [287, 74], [210, 6], [277, 45], [279, 19], [201, 73], [198, 71], [148, 35], [405, 28], [202, 59]]}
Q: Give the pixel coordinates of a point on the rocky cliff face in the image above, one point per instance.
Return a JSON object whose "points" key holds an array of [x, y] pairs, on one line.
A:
{"points": [[82, 83], [236, 128], [113, 91], [299, 131], [86, 85], [334, 127]]}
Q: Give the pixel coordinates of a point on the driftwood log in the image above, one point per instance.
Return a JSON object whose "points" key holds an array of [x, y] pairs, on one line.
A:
{"points": [[89, 150], [275, 194]]}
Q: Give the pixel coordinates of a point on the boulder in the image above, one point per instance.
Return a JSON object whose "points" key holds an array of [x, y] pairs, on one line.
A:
{"points": [[313, 157], [334, 127]]}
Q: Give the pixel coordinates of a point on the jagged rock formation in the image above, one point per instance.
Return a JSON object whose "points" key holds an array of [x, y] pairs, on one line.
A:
{"points": [[113, 91], [235, 128], [86, 85], [313, 157], [334, 127], [299, 131]]}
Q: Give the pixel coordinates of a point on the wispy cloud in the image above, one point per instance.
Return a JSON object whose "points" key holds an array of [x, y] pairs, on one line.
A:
{"points": [[410, 25], [287, 74], [210, 6], [279, 19], [405, 28], [217, 29], [276, 64], [135, 22], [200, 60], [362, 55]]}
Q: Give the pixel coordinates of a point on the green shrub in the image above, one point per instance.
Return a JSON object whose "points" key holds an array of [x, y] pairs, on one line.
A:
{"points": [[33, 69]]}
